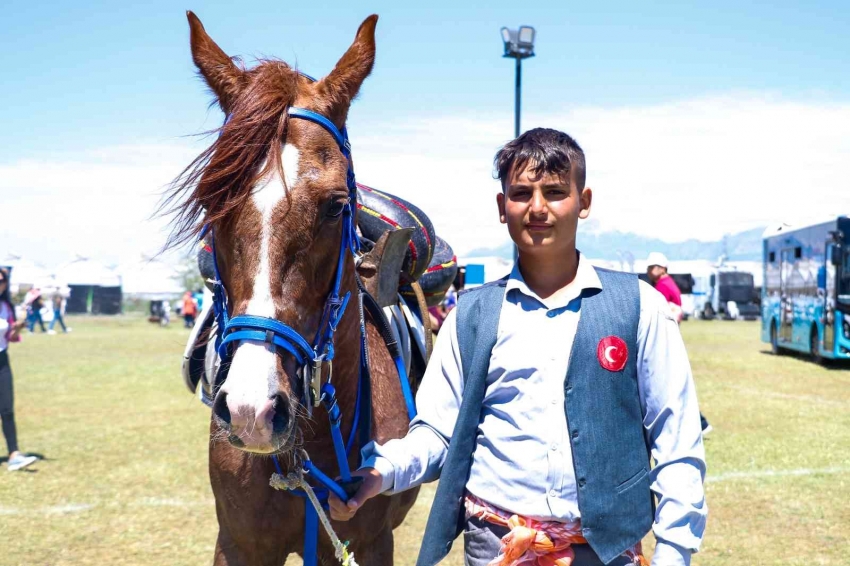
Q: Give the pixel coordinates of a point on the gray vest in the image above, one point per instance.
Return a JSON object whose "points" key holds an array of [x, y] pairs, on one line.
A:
{"points": [[610, 453]]}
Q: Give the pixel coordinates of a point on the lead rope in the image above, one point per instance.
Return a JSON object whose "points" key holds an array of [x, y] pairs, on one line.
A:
{"points": [[295, 480]]}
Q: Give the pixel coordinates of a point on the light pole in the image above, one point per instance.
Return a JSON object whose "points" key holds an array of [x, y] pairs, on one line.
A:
{"points": [[519, 45]]}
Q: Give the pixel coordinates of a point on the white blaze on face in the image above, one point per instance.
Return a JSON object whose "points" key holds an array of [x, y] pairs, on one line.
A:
{"points": [[253, 371]]}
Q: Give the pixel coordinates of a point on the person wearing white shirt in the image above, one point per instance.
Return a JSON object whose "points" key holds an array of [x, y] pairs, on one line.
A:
{"points": [[542, 435]]}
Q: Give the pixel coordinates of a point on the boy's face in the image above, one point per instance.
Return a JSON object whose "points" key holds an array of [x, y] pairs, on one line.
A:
{"points": [[542, 215]]}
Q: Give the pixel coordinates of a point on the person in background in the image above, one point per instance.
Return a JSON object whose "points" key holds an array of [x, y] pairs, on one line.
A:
{"points": [[166, 313], [9, 332], [59, 302], [438, 315], [199, 299], [34, 304], [656, 270], [189, 309], [450, 301]]}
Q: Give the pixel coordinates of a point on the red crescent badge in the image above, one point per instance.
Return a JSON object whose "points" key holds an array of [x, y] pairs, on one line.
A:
{"points": [[612, 353]]}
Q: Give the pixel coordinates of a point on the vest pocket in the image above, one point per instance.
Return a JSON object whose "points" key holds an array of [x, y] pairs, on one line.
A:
{"points": [[629, 483]]}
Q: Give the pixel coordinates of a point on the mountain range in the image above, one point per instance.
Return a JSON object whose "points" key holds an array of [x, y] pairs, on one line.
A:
{"points": [[616, 245]]}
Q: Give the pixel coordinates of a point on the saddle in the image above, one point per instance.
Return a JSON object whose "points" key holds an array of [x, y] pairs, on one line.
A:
{"points": [[405, 267]]}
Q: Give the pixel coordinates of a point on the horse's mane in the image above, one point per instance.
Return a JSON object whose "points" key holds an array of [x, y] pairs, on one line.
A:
{"points": [[220, 179]]}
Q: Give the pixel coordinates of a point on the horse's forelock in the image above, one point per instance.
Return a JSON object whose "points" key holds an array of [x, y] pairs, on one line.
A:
{"points": [[219, 181]]}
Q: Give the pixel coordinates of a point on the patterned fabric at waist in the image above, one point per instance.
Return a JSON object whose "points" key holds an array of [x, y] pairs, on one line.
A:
{"points": [[535, 543]]}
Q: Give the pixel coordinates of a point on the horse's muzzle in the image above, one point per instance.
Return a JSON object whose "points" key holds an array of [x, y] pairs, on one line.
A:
{"points": [[263, 429]]}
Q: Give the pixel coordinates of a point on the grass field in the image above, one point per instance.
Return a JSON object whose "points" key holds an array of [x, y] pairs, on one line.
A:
{"points": [[124, 478]]}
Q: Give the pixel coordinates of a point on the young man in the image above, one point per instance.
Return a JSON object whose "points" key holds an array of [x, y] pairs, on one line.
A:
{"points": [[545, 396]]}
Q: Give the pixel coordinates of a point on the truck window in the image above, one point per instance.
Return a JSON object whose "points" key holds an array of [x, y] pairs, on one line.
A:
{"points": [[844, 280]]}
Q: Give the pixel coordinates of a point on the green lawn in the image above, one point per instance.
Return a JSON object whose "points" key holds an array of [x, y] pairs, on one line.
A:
{"points": [[124, 479]]}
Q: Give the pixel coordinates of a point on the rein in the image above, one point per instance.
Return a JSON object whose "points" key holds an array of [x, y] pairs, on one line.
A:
{"points": [[312, 357]]}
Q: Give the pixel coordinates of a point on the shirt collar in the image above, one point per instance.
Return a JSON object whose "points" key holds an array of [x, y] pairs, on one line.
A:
{"points": [[586, 278]]}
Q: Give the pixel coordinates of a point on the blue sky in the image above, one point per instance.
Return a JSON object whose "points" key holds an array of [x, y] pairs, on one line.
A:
{"points": [[83, 80], [93, 73]]}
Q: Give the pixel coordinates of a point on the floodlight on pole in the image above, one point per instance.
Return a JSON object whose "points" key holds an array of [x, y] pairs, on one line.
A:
{"points": [[519, 45]]}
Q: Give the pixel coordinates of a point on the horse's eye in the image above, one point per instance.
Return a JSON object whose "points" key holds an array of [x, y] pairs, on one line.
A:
{"points": [[336, 208]]}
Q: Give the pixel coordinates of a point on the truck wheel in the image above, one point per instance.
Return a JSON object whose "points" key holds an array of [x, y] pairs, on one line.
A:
{"points": [[774, 341], [814, 347]]}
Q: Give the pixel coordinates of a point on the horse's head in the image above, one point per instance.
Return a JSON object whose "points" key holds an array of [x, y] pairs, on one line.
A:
{"points": [[273, 189]]}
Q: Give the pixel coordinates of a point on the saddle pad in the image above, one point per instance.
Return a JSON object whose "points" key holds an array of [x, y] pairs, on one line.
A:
{"points": [[379, 211]]}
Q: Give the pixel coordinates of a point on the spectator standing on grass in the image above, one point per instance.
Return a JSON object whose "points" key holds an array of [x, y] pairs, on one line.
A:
{"points": [[34, 304], [59, 303], [199, 299], [9, 332], [546, 393], [656, 270], [189, 309]]}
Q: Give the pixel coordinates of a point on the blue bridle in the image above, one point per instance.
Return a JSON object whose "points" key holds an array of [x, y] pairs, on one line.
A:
{"points": [[312, 357], [263, 329]]}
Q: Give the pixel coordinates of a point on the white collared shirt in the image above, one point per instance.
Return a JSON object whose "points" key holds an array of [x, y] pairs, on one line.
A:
{"points": [[5, 315], [524, 400]]}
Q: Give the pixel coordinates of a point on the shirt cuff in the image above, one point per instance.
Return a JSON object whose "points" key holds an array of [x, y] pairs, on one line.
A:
{"points": [[383, 467], [667, 554]]}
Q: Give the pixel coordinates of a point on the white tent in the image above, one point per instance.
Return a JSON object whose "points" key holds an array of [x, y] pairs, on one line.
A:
{"points": [[95, 288], [86, 271], [150, 278], [26, 272]]}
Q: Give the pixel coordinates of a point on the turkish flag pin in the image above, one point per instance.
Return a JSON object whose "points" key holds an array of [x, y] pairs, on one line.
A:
{"points": [[612, 353]]}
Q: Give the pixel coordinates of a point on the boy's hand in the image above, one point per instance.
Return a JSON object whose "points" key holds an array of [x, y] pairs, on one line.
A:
{"points": [[370, 487]]}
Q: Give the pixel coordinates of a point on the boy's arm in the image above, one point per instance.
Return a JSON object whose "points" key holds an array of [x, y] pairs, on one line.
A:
{"points": [[418, 457], [673, 431]]}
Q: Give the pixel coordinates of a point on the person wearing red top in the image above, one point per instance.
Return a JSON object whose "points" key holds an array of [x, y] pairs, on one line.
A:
{"points": [[656, 270]]}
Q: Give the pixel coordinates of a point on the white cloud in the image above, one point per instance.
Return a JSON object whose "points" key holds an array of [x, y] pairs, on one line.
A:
{"points": [[696, 168], [693, 169], [97, 203]]}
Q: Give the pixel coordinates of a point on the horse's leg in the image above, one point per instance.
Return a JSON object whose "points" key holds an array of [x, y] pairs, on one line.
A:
{"points": [[229, 553], [379, 551], [226, 551]]}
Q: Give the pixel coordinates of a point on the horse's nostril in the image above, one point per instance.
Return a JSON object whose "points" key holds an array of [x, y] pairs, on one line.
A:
{"points": [[220, 409], [280, 420]]}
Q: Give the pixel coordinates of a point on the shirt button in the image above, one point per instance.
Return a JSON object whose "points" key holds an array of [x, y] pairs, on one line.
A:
{"points": [[581, 482], [575, 434], [553, 493], [551, 314], [554, 401], [554, 447]]}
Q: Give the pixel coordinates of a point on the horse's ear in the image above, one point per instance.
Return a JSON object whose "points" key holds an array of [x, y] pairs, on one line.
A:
{"points": [[342, 85], [223, 76]]}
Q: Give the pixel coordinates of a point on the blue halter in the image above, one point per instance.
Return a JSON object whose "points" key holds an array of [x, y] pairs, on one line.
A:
{"points": [[312, 357]]}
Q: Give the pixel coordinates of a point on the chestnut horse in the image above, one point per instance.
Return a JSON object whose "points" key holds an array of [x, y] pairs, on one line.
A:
{"points": [[273, 190]]}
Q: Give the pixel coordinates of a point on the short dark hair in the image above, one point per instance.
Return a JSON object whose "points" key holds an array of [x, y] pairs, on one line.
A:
{"points": [[548, 150]]}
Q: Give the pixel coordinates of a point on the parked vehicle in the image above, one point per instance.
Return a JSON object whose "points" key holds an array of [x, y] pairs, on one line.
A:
{"points": [[726, 293], [806, 294]]}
